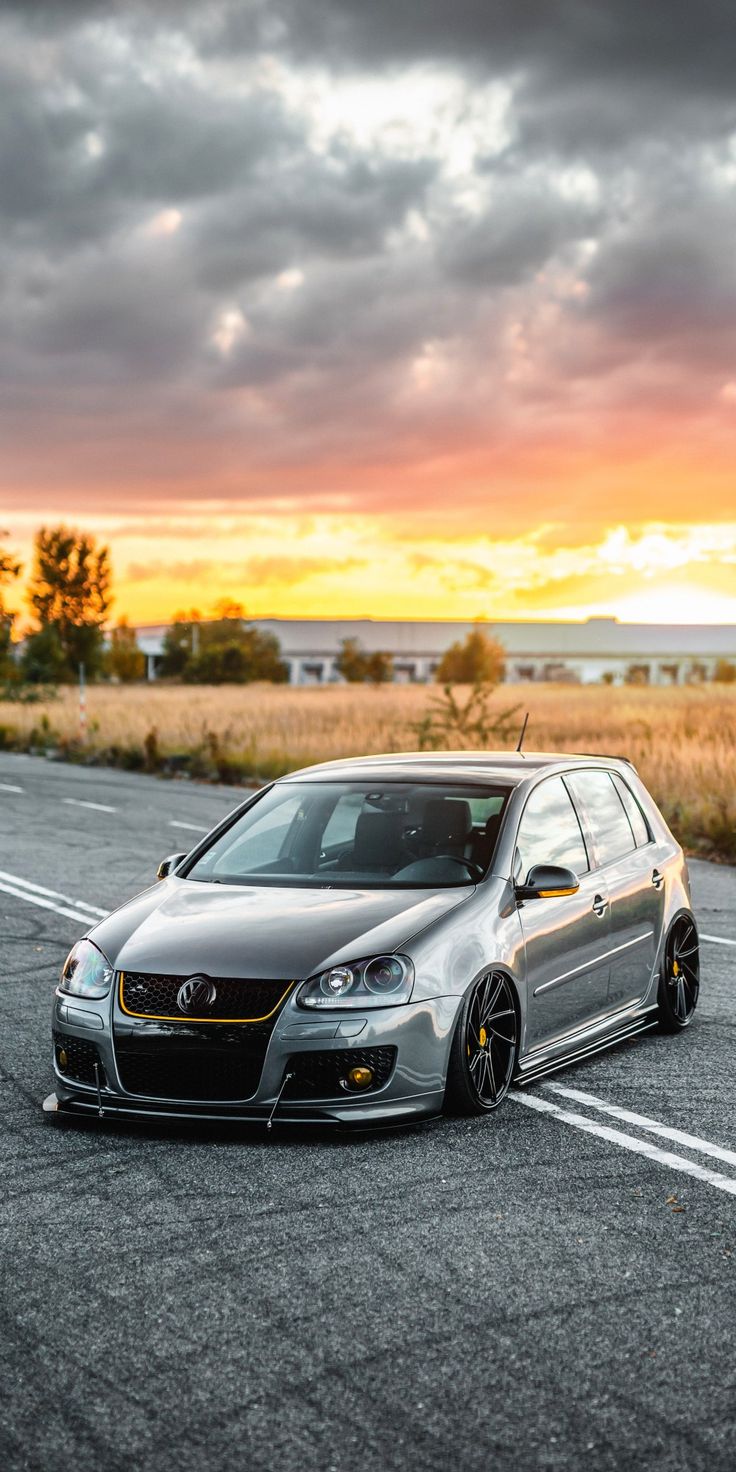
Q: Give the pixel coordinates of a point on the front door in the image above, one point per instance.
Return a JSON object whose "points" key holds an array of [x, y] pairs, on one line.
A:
{"points": [[566, 940]]}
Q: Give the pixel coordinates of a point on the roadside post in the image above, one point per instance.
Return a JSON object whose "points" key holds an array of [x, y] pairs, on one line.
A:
{"points": [[82, 706]]}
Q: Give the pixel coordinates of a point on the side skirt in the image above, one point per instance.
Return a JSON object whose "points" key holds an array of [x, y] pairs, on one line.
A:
{"points": [[531, 1068]]}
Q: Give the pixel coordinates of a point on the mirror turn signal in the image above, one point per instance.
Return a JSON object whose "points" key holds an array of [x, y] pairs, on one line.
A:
{"points": [[546, 882], [168, 865]]}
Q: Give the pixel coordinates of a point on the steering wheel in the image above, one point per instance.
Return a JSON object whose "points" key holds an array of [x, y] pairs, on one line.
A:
{"points": [[474, 869]]}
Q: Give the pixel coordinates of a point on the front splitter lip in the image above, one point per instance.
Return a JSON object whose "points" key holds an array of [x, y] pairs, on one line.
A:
{"points": [[397, 1111]]}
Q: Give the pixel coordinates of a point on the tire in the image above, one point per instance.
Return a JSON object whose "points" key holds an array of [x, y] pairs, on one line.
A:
{"points": [[484, 1047], [679, 980]]}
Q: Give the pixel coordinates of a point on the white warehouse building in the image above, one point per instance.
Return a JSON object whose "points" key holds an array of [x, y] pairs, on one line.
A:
{"points": [[598, 649]]}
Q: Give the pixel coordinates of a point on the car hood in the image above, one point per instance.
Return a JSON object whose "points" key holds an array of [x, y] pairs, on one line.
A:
{"points": [[181, 927]]}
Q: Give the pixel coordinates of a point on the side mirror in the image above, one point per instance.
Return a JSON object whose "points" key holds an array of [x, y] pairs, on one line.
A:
{"points": [[547, 881], [167, 866]]}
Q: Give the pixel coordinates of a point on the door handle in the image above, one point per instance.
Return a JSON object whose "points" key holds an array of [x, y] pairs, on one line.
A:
{"points": [[657, 879], [600, 905]]}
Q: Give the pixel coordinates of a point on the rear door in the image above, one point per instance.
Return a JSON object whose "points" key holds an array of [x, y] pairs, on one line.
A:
{"points": [[626, 858], [566, 939]]}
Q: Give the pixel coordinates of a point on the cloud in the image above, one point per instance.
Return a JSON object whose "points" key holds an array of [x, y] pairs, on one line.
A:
{"points": [[466, 263]]}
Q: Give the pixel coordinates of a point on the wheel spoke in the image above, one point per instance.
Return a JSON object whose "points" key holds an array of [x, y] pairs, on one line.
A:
{"points": [[681, 1000], [486, 985], [502, 1038], [494, 1090], [487, 1008], [505, 1058]]}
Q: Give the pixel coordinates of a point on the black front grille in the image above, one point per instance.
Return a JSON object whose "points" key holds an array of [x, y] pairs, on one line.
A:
{"points": [[236, 1000], [319, 1075], [195, 1062], [76, 1058]]}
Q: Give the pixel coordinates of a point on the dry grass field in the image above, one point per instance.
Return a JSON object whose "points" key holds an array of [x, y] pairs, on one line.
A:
{"points": [[683, 741]]}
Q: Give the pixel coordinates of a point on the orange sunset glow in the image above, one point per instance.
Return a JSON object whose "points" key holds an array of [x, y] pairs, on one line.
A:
{"points": [[334, 315]]}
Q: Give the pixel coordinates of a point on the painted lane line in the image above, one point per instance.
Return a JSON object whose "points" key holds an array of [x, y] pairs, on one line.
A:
{"points": [[78, 802], [37, 899], [193, 827], [653, 1126], [10, 787], [52, 894], [718, 940], [628, 1142]]}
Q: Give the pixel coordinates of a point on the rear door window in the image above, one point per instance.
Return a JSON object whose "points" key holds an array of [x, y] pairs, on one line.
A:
{"points": [[605, 813]]}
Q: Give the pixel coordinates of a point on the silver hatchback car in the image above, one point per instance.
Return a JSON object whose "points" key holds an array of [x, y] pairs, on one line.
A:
{"points": [[377, 940]]}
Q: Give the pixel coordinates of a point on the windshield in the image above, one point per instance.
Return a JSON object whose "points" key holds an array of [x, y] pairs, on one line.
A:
{"points": [[359, 835]]}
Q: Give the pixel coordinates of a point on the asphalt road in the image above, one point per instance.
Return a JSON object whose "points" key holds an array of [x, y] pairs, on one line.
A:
{"points": [[522, 1292]]}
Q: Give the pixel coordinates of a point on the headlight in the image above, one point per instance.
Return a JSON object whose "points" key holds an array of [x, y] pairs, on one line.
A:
{"points": [[382, 981], [86, 972]]}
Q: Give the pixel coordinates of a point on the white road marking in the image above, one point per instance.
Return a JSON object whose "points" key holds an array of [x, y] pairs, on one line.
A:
{"points": [[193, 827], [653, 1126], [78, 802], [37, 899], [51, 894], [718, 940], [10, 787], [628, 1142]]}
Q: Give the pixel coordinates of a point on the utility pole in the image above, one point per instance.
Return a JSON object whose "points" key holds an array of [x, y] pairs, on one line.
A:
{"points": [[82, 706]]}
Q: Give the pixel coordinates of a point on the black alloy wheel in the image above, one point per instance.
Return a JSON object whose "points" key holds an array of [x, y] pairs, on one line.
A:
{"points": [[680, 979], [483, 1050]]}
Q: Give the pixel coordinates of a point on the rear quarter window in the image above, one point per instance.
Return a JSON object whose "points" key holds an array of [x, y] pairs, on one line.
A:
{"points": [[639, 825]]}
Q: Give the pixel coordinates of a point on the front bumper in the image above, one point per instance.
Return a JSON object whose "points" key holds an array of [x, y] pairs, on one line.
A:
{"points": [[420, 1033]]}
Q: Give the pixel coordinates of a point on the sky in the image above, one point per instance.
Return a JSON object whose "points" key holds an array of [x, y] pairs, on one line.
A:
{"points": [[375, 307]]}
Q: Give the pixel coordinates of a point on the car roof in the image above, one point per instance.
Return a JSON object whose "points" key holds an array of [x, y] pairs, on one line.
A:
{"points": [[508, 768]]}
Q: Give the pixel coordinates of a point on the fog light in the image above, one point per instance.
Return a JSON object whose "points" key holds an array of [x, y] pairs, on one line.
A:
{"points": [[63, 1057], [360, 1078]]}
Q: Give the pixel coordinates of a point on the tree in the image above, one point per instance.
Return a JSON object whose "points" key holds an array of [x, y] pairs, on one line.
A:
{"points": [[725, 672], [9, 571], [224, 650], [357, 667], [180, 643], [350, 662], [477, 660], [43, 661], [123, 659], [69, 594], [379, 668]]}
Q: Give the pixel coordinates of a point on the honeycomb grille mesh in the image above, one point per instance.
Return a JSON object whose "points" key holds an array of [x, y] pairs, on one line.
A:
{"points": [[81, 1057], [146, 995], [317, 1075], [171, 1074]]}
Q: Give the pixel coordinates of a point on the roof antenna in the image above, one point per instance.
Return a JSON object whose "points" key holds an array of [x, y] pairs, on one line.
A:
{"points": [[522, 734]]}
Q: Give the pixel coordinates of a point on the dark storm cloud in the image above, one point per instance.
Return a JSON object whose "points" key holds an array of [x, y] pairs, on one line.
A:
{"points": [[521, 230], [310, 208], [672, 41], [190, 253]]}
